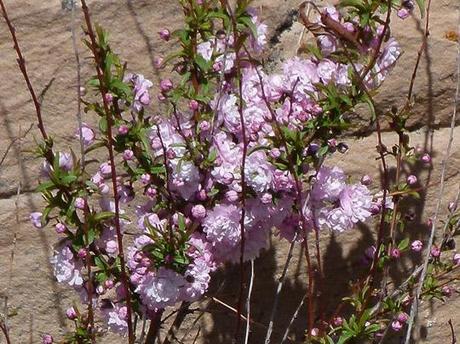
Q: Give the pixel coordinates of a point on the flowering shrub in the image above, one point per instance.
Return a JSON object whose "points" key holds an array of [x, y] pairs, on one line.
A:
{"points": [[233, 155]]}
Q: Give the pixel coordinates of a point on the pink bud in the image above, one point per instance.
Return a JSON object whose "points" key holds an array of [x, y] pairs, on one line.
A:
{"points": [[71, 313], [456, 258], [231, 196], [105, 168], [165, 34], [80, 203], [266, 198], [36, 219], [100, 290], [158, 62], [403, 317], [166, 85], [108, 98], [435, 252], [446, 291], [60, 228], [227, 178], [145, 262], [123, 129], [151, 192], [452, 207], [274, 153], [170, 154], [366, 180], [82, 253], [403, 13], [128, 154], [426, 158], [395, 253], [193, 105], [332, 143], [396, 326], [202, 195], [217, 66], [314, 332], [47, 339], [111, 247], [411, 180], [145, 178], [205, 126], [416, 246], [108, 284], [337, 321], [198, 211]]}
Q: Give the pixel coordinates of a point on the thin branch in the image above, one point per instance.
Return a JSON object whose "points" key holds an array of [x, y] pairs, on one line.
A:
{"points": [[452, 332], [22, 66], [248, 304], [293, 318], [13, 141], [414, 307], [278, 290], [99, 70]]}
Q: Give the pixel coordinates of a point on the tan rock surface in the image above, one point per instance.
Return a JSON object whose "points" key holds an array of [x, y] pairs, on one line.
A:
{"points": [[38, 304]]}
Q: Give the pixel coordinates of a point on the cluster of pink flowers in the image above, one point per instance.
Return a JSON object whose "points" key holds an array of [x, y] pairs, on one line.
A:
{"points": [[210, 195]]}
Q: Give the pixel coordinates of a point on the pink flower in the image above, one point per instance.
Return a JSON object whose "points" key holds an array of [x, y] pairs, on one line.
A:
{"points": [[403, 13], [366, 180], [416, 246], [105, 168], [193, 105], [145, 178], [128, 154], [446, 291], [395, 253]]}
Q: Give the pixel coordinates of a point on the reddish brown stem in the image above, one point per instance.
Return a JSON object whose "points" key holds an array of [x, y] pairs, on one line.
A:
{"points": [[103, 90], [22, 66]]}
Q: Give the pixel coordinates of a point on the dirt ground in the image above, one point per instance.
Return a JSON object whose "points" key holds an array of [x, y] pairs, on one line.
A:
{"points": [[37, 303]]}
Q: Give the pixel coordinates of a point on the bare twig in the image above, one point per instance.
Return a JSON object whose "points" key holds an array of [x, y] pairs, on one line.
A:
{"points": [[22, 66], [414, 307], [13, 141], [452, 332], [248, 303], [278, 290], [293, 318]]}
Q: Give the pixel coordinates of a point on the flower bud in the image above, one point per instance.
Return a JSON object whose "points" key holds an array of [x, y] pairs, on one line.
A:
{"points": [[80, 203], [108, 284], [36, 219], [71, 313], [231, 196], [198, 211], [166, 85], [111, 247], [446, 291], [396, 326], [82, 253], [100, 290], [108, 98], [456, 258], [274, 153], [151, 192], [395, 253], [403, 13], [314, 332], [366, 180], [452, 207], [158, 62], [337, 321], [228, 178], [426, 158], [416, 246], [123, 129], [145, 178], [403, 317], [266, 198], [47, 339], [411, 180], [193, 105], [146, 262], [128, 154], [170, 154], [435, 252], [202, 195], [205, 126], [105, 168], [60, 228], [165, 34]]}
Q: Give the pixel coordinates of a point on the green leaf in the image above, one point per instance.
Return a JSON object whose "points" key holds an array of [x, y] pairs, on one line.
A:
{"points": [[404, 244], [247, 21], [421, 6], [49, 185], [105, 215], [202, 63]]}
